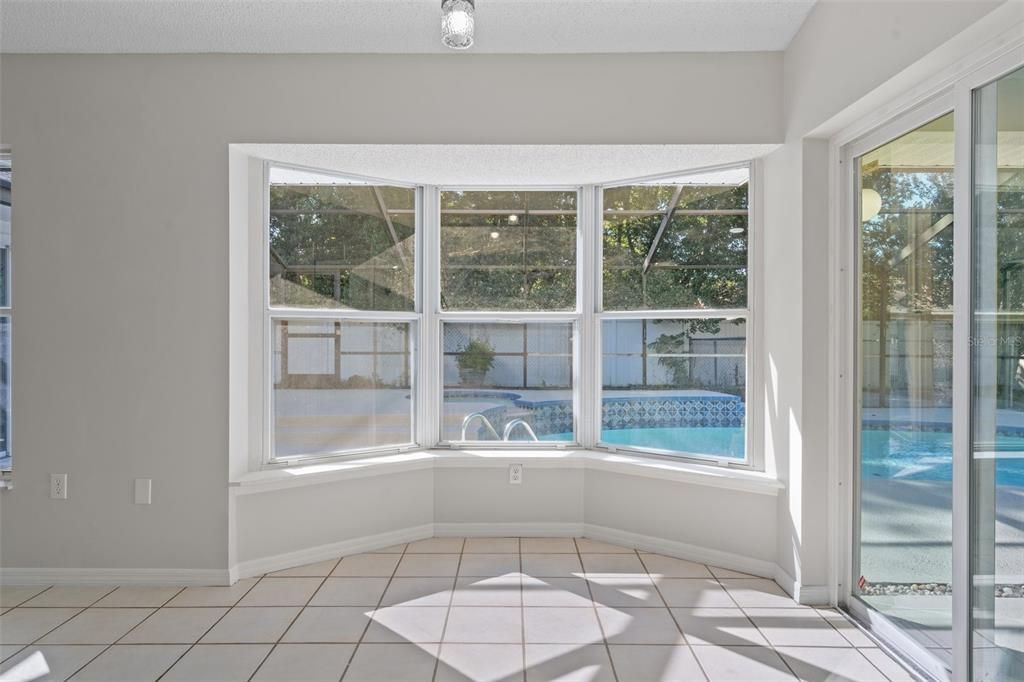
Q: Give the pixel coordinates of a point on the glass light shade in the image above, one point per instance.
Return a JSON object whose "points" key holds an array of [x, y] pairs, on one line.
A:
{"points": [[870, 204], [457, 23]]}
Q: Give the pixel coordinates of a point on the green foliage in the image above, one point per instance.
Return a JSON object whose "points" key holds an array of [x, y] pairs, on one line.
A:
{"points": [[508, 250], [700, 261], [360, 381], [680, 343], [319, 233], [890, 279], [475, 360]]}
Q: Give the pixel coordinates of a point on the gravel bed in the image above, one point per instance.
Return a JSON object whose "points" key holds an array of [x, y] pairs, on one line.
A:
{"points": [[933, 589]]}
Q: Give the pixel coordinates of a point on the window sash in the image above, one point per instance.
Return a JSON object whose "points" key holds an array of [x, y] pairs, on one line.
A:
{"points": [[574, 389], [272, 458], [749, 459]]}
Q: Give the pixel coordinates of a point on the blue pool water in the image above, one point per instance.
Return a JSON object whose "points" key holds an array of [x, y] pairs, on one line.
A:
{"points": [[926, 456], [896, 454], [717, 441]]}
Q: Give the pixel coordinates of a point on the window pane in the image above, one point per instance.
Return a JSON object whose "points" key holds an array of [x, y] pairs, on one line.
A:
{"points": [[675, 385], [679, 244], [338, 244], [997, 349], [510, 250], [340, 386], [505, 373], [903, 555], [5, 393]]}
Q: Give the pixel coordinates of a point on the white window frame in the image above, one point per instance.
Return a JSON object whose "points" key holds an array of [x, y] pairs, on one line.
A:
{"points": [[7, 311], [428, 319], [275, 313], [442, 317], [753, 453]]}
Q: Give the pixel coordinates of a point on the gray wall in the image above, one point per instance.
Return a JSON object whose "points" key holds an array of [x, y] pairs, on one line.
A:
{"points": [[121, 246]]}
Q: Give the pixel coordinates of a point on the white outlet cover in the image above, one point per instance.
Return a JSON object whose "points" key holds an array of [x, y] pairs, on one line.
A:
{"points": [[58, 486]]}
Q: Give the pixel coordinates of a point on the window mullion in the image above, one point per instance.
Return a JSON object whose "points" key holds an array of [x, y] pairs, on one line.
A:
{"points": [[588, 363], [428, 356]]}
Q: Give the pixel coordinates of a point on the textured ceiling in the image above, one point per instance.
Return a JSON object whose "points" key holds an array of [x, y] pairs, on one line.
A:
{"points": [[503, 165], [396, 26]]}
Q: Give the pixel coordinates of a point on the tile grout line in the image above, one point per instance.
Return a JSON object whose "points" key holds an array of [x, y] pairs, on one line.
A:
{"points": [[37, 640], [686, 640], [380, 601], [522, 608], [132, 628], [207, 631], [811, 611], [597, 616], [448, 612], [319, 587], [82, 609], [752, 623], [31, 597], [852, 645]]}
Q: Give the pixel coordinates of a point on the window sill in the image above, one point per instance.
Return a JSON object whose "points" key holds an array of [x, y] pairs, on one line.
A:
{"points": [[630, 465], [6, 480]]}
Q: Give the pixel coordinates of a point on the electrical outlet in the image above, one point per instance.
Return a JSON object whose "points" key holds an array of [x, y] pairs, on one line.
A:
{"points": [[58, 486], [515, 474]]}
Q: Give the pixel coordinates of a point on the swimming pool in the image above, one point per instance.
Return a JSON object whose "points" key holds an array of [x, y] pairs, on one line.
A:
{"points": [[721, 441], [926, 456], [897, 454]]}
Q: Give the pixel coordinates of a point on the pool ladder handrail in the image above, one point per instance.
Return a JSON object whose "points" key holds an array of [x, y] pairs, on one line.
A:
{"points": [[487, 423], [519, 422]]}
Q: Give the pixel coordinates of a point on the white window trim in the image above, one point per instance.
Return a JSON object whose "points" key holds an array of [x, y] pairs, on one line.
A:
{"points": [[433, 234], [7, 477], [753, 450], [272, 313], [427, 319]]}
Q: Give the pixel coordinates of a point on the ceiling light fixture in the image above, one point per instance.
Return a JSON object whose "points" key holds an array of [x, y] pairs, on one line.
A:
{"points": [[457, 23], [870, 204]]}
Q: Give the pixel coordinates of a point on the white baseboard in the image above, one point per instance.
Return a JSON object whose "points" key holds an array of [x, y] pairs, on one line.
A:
{"points": [[810, 595], [367, 543], [803, 594], [113, 576], [682, 550], [498, 530]]}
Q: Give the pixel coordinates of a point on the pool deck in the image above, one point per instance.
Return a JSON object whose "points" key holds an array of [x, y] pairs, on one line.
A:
{"points": [[901, 514]]}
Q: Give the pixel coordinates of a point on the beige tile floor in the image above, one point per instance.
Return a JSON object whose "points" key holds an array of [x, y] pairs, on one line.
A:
{"points": [[443, 609]]}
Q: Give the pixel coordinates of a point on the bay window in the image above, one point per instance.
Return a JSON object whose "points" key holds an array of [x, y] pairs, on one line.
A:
{"points": [[608, 317]]}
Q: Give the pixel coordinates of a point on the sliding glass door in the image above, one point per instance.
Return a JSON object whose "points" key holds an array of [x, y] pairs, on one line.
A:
{"points": [[937, 560], [997, 368], [903, 526]]}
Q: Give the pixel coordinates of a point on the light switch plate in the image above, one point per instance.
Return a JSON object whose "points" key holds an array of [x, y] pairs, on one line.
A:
{"points": [[143, 491]]}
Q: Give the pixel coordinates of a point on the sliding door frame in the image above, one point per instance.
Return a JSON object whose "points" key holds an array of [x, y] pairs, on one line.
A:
{"points": [[939, 105], [953, 91]]}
